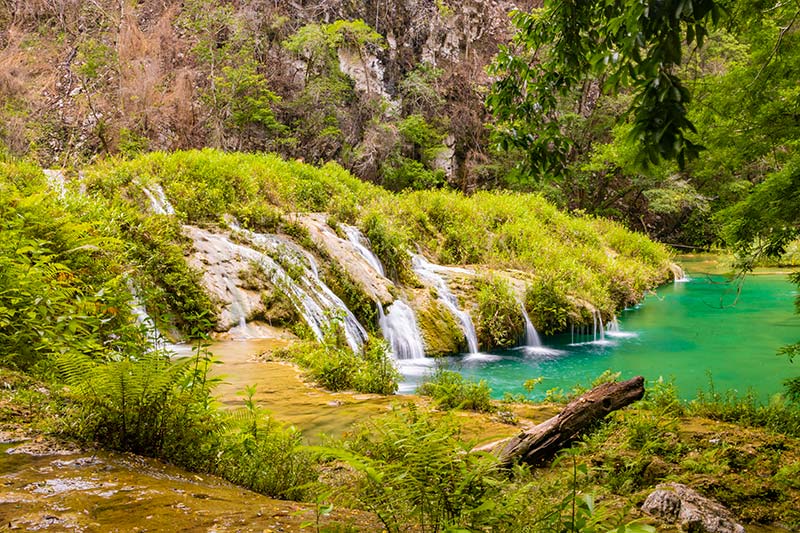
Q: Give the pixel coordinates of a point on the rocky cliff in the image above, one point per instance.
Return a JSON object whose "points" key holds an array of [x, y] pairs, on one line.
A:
{"points": [[304, 78]]}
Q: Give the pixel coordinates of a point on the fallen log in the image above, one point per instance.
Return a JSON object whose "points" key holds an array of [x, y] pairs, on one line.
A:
{"points": [[540, 444]]}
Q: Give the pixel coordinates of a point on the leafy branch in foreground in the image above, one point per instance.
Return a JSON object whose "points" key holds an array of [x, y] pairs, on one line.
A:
{"points": [[623, 44]]}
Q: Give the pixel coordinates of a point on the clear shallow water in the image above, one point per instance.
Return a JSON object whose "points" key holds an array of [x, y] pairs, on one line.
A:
{"points": [[683, 331]]}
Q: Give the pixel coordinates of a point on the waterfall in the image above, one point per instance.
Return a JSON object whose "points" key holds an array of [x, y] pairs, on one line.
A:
{"points": [[158, 200], [239, 311], [531, 335], [311, 296], [596, 332], [430, 273], [399, 322], [613, 330], [143, 318], [678, 275], [56, 181], [598, 318], [399, 328], [361, 244]]}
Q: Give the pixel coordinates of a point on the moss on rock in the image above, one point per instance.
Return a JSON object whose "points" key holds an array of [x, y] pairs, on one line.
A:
{"points": [[440, 331], [352, 294]]}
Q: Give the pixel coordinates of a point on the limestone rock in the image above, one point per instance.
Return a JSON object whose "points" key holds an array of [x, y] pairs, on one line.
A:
{"points": [[344, 253], [673, 502]]}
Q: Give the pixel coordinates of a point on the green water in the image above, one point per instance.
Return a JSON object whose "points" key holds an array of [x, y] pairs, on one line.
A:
{"points": [[685, 331]]}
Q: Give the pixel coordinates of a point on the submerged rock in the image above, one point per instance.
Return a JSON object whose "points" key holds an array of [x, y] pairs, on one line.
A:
{"points": [[673, 502]]}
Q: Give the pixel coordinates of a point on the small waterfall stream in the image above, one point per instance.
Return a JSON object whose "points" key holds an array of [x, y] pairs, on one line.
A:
{"points": [[614, 331], [143, 318], [597, 319], [158, 200], [317, 302], [678, 275], [399, 328], [361, 244], [531, 335], [430, 273], [585, 333]]}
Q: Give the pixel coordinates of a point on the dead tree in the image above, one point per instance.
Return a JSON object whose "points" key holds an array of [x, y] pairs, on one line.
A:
{"points": [[540, 444]]}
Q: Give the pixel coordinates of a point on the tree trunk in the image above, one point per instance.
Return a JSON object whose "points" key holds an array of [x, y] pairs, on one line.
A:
{"points": [[540, 444]]}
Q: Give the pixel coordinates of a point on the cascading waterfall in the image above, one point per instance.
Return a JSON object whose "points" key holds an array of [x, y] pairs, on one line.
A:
{"points": [[158, 200], [399, 328], [143, 317], [399, 322], [56, 181], [430, 273], [596, 332], [238, 310], [532, 339], [361, 244], [678, 275], [311, 296], [598, 321], [613, 330]]}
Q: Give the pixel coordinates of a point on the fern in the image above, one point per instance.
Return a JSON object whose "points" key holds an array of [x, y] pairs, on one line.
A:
{"points": [[147, 404]]}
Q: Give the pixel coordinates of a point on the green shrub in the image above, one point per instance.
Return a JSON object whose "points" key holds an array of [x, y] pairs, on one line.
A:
{"points": [[500, 322], [778, 415], [546, 301], [389, 245], [60, 286], [258, 216], [334, 369], [417, 475], [173, 289], [261, 455], [156, 406], [353, 296], [426, 140], [334, 366], [789, 475], [401, 173], [147, 404], [449, 390], [377, 374]]}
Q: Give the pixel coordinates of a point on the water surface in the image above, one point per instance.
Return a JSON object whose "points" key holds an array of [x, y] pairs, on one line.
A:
{"points": [[684, 331]]}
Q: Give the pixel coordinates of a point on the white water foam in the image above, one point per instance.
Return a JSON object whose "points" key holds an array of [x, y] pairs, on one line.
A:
{"points": [[399, 328], [429, 272]]}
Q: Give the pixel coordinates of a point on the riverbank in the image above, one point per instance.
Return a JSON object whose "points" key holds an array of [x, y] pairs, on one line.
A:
{"points": [[49, 484]]}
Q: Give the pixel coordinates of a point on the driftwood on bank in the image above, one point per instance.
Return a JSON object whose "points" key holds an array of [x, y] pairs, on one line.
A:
{"points": [[540, 444]]}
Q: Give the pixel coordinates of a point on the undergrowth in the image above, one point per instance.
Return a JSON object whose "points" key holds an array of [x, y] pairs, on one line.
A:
{"points": [[333, 365], [450, 390]]}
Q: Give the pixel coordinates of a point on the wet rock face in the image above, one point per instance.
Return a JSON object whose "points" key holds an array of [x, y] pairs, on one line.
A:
{"points": [[674, 502]]}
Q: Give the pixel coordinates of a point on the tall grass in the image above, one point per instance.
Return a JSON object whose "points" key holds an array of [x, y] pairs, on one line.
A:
{"points": [[778, 415], [600, 262]]}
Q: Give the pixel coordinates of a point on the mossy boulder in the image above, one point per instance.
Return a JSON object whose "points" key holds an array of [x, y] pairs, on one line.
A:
{"points": [[441, 333]]}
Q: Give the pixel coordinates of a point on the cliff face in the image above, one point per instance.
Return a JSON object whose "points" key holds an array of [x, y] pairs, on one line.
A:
{"points": [[82, 78]]}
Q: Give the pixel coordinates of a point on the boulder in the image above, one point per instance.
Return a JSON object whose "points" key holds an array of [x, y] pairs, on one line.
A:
{"points": [[673, 502]]}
